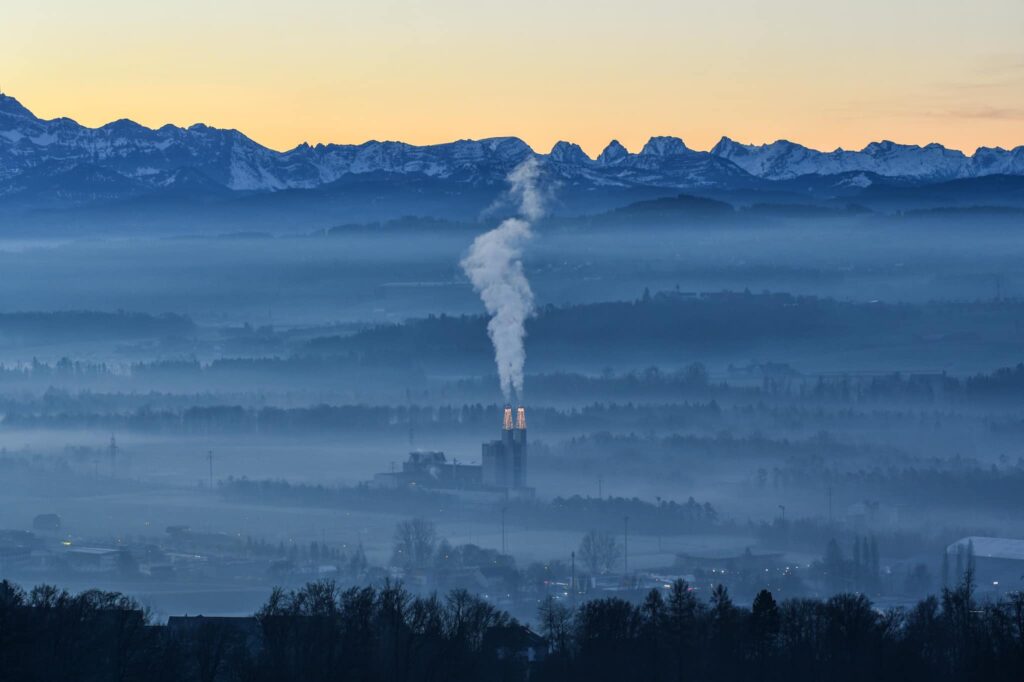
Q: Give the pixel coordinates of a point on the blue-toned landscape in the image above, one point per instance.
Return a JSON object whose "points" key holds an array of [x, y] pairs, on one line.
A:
{"points": [[560, 342]]}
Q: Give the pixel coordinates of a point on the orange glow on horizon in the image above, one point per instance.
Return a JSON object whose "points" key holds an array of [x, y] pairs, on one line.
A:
{"points": [[825, 75]]}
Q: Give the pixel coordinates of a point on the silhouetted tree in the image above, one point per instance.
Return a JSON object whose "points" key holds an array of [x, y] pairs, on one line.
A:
{"points": [[598, 551], [414, 544], [764, 632]]}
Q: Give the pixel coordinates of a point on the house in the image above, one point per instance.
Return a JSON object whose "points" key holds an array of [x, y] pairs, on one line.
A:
{"points": [[868, 514], [516, 642], [92, 559], [46, 523], [243, 630]]}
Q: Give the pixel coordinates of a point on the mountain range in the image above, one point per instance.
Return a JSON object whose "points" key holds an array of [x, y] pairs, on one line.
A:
{"points": [[58, 164]]}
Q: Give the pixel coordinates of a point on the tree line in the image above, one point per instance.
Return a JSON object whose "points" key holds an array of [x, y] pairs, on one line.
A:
{"points": [[680, 637], [323, 632]]}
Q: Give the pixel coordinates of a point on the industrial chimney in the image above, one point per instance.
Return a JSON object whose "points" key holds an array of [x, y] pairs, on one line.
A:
{"points": [[519, 435], [519, 449], [507, 427]]}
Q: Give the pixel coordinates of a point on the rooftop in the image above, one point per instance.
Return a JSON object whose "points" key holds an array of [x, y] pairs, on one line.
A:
{"points": [[991, 548]]}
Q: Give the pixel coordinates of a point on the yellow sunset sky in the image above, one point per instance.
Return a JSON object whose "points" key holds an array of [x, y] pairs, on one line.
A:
{"points": [[826, 74]]}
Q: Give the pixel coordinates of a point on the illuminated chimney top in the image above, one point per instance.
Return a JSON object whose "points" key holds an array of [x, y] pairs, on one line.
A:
{"points": [[521, 418], [506, 423]]}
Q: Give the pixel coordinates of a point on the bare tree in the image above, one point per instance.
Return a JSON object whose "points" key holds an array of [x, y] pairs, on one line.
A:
{"points": [[598, 551], [415, 540], [555, 621]]}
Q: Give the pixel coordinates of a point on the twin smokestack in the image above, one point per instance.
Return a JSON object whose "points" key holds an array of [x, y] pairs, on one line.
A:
{"points": [[520, 419]]}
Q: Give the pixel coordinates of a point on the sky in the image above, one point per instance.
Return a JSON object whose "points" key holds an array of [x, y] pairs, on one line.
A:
{"points": [[830, 73]]}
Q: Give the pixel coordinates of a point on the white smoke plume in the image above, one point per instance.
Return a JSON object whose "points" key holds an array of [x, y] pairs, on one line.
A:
{"points": [[494, 267]]}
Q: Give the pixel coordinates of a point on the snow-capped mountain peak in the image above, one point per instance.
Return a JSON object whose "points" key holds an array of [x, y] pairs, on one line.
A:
{"points": [[12, 107], [569, 153], [726, 146], [123, 156], [664, 146], [782, 160], [614, 153]]}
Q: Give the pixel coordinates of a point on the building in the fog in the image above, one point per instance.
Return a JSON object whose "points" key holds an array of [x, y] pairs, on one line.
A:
{"points": [[998, 563], [431, 469], [502, 468]]}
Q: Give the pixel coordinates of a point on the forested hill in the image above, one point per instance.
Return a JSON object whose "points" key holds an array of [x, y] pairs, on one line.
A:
{"points": [[678, 322], [89, 324]]}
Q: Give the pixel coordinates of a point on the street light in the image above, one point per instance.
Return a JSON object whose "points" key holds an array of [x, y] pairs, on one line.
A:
{"points": [[503, 548], [572, 581]]}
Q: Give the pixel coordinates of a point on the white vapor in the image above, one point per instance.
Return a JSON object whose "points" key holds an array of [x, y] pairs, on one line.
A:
{"points": [[494, 267]]}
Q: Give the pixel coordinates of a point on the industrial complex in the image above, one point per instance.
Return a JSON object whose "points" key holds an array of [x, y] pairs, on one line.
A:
{"points": [[502, 469]]}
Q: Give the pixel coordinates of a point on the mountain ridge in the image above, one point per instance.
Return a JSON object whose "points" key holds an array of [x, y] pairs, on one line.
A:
{"points": [[785, 160], [48, 166], [232, 159]]}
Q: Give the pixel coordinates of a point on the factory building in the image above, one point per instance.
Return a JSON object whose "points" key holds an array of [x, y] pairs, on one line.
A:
{"points": [[502, 469], [431, 469], [504, 461]]}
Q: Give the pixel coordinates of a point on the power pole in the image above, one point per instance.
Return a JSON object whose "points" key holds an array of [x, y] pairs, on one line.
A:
{"points": [[209, 458], [830, 505], [112, 449], [600, 486], [783, 508], [412, 424], [625, 545]]}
